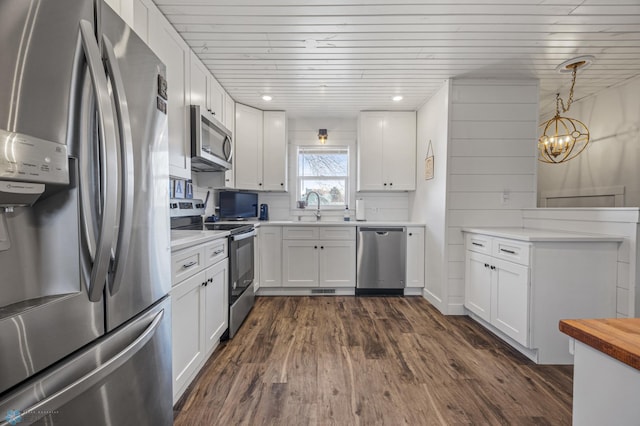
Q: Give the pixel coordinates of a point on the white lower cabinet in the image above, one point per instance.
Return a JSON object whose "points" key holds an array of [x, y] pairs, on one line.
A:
{"points": [[270, 256], [510, 300], [521, 289], [318, 257], [216, 309], [187, 309], [477, 285], [200, 311], [498, 292], [415, 256]]}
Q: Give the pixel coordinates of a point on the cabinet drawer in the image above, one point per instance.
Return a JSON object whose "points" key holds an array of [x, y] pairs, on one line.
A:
{"points": [[479, 243], [300, 232], [510, 250], [338, 233], [215, 251], [185, 263]]}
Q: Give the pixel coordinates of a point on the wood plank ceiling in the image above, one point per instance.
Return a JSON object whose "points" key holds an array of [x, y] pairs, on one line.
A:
{"points": [[336, 57]]}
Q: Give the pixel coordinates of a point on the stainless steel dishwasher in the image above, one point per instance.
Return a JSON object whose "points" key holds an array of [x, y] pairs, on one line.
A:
{"points": [[381, 255]]}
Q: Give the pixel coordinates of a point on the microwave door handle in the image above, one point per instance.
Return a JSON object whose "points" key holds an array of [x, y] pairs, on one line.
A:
{"points": [[125, 193], [109, 169], [227, 148]]}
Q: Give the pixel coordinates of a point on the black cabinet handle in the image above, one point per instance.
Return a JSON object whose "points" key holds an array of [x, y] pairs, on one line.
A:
{"points": [[315, 247], [493, 268], [281, 184], [321, 247], [391, 184], [507, 251], [260, 184], [410, 234], [385, 184], [477, 244], [204, 284], [486, 265]]}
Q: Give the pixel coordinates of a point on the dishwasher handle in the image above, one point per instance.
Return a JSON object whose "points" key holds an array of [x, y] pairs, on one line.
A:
{"points": [[381, 230]]}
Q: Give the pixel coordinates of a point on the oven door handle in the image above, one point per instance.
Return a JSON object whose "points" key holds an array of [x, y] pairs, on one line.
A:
{"points": [[243, 236]]}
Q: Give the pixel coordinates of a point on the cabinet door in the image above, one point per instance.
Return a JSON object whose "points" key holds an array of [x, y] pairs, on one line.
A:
{"points": [[274, 151], [187, 312], [399, 151], [477, 284], [175, 54], [271, 256], [300, 263], [370, 155], [337, 263], [198, 82], [141, 14], [248, 158], [216, 297], [510, 300], [216, 99], [415, 257]]}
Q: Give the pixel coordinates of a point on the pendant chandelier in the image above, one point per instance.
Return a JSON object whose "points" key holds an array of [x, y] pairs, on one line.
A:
{"points": [[564, 138]]}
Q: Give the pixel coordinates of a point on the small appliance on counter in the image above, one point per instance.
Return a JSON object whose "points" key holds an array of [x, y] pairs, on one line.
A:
{"points": [[360, 210], [264, 212]]}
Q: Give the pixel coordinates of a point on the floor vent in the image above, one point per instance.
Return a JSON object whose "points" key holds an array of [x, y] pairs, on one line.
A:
{"points": [[323, 291]]}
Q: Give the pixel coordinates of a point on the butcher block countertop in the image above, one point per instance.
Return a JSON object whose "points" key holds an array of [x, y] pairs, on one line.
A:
{"points": [[617, 337]]}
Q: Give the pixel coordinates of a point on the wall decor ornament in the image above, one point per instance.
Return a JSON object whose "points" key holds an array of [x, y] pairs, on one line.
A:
{"points": [[428, 163]]}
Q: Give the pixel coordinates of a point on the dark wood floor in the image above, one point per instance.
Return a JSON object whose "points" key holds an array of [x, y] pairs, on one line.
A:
{"points": [[370, 361]]}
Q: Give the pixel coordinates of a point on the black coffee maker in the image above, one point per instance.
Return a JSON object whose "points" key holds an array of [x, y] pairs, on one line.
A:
{"points": [[264, 212]]}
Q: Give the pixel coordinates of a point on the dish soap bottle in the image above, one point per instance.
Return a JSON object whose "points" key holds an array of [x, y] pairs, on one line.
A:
{"points": [[346, 214]]}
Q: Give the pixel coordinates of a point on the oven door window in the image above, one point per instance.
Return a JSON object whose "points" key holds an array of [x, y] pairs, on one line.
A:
{"points": [[241, 267]]}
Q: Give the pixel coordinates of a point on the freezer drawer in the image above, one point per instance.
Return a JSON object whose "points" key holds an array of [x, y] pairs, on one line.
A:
{"points": [[123, 378], [381, 260]]}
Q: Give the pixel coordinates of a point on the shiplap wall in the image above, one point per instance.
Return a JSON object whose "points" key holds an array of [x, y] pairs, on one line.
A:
{"points": [[492, 164], [428, 204], [613, 221]]}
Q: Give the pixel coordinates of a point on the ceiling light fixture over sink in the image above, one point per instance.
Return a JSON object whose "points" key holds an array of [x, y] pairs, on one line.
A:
{"points": [[564, 138]]}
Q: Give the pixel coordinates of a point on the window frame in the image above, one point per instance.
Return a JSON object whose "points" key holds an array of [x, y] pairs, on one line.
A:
{"points": [[299, 179]]}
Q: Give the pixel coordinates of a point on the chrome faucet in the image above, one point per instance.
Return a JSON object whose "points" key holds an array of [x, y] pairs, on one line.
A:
{"points": [[317, 212]]}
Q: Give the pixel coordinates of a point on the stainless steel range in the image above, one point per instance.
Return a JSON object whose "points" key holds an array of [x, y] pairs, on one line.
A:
{"points": [[187, 215]]}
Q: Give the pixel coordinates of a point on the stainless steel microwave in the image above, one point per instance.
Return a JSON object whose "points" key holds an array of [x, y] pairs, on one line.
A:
{"points": [[211, 148]]}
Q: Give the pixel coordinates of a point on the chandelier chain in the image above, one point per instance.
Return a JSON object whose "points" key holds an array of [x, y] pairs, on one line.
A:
{"points": [[559, 101]]}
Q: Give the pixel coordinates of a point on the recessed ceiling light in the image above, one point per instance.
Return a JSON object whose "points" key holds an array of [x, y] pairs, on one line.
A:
{"points": [[266, 98], [397, 98]]}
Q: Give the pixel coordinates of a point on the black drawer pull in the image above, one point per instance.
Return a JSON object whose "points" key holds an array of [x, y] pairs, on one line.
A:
{"points": [[486, 265], [493, 268], [507, 251], [478, 244]]}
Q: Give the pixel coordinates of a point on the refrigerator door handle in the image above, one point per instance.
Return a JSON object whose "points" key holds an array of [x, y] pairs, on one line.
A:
{"points": [[73, 390], [106, 123], [123, 239]]}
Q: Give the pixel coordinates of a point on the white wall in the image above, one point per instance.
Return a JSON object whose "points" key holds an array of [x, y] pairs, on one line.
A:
{"points": [[428, 203], [612, 158], [492, 163]]}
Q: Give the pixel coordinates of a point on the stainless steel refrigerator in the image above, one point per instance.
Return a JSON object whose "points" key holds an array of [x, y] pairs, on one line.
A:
{"points": [[85, 317]]}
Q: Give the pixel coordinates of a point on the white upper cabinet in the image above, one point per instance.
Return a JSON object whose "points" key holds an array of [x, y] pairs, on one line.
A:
{"points": [[274, 151], [247, 162], [216, 101], [174, 52], [198, 82], [386, 151], [260, 162]]}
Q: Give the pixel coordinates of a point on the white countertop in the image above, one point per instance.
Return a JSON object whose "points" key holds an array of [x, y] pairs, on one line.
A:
{"points": [[183, 239], [337, 223], [532, 234]]}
